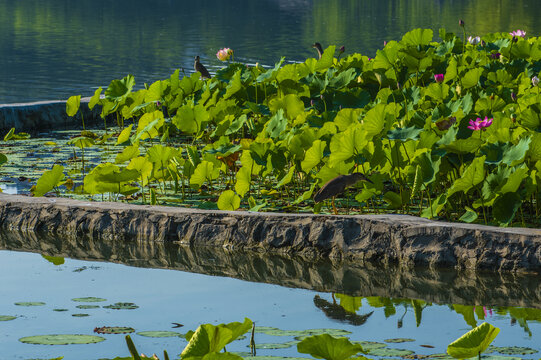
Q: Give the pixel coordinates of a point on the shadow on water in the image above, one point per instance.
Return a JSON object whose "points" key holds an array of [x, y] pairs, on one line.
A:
{"points": [[354, 279]]}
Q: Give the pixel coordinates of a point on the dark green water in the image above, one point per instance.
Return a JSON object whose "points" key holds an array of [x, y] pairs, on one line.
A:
{"points": [[56, 48]]}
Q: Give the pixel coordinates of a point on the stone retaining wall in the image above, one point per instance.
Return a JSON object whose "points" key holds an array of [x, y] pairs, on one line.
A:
{"points": [[45, 116], [379, 239]]}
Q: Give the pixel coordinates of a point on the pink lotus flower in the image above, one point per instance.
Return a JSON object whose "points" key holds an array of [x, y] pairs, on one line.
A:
{"points": [[439, 78], [224, 54], [535, 81], [518, 32], [480, 124]]}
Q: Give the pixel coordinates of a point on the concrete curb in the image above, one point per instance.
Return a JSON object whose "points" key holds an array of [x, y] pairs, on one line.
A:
{"points": [[380, 239]]}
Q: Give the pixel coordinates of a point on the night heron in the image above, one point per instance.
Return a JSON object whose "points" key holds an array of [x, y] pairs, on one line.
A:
{"points": [[201, 68], [319, 49], [336, 186]]}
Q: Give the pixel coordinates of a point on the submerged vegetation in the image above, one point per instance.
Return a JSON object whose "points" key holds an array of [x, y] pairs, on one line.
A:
{"points": [[446, 129]]}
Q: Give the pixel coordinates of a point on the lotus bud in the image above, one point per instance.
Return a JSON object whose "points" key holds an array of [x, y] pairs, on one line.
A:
{"points": [[342, 49], [461, 23], [513, 96], [312, 102], [535, 81]]}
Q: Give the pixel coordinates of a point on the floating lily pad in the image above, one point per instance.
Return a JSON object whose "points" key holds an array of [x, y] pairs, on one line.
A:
{"points": [[285, 345], [60, 310], [300, 334], [398, 340], [87, 306], [511, 350], [80, 315], [114, 330], [417, 356], [64, 339], [388, 352], [89, 299], [7, 317], [370, 345], [160, 334], [122, 306], [30, 303]]}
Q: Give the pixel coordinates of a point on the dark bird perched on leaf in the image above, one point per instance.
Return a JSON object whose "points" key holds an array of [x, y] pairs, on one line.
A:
{"points": [[337, 186], [201, 68], [319, 49]]}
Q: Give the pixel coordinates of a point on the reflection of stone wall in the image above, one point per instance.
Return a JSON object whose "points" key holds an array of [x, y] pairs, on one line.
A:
{"points": [[378, 239], [325, 275], [45, 116]]}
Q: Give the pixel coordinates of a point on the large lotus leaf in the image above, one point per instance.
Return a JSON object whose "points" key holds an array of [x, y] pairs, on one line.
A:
{"points": [[428, 166], [118, 90], [375, 121], [343, 79], [473, 175], [244, 179], [234, 86], [228, 200], [239, 328], [467, 312], [386, 58], [329, 348], [7, 317], [313, 156], [437, 91], [327, 59], [471, 78], [505, 207], [81, 142], [124, 135], [118, 175], [515, 179], [291, 104], [490, 104], [469, 216], [271, 74], [346, 144], [207, 339], [155, 91], [534, 150], [418, 37], [529, 118], [347, 117], [474, 342], [286, 179], [350, 303], [515, 153], [95, 98], [464, 146], [72, 105], [203, 172], [451, 72], [437, 206], [404, 134], [148, 125], [49, 180], [128, 153], [143, 167], [161, 154], [189, 119], [58, 339], [277, 124]]}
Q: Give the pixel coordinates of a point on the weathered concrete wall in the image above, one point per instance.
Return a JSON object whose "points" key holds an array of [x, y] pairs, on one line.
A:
{"points": [[379, 239], [45, 116], [354, 278]]}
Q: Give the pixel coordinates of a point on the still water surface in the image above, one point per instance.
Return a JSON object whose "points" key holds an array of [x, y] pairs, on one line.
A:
{"points": [[165, 297], [57, 48]]}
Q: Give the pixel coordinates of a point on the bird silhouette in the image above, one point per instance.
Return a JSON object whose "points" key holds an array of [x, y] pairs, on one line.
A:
{"points": [[336, 186], [319, 49], [201, 68]]}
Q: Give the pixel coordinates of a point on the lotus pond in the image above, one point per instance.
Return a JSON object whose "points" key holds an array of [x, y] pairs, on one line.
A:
{"points": [[139, 289]]}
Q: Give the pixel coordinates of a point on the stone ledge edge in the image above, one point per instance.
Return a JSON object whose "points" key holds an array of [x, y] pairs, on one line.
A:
{"points": [[382, 239]]}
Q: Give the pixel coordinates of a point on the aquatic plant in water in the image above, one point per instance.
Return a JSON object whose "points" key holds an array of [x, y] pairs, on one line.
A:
{"points": [[267, 139]]}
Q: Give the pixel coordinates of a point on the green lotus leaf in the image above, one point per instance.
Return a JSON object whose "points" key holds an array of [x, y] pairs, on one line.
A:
{"points": [[327, 58], [505, 207], [473, 175], [121, 306], [512, 350], [469, 216], [114, 330], [228, 200], [80, 315], [244, 179], [49, 180], [60, 310], [88, 299], [471, 78], [7, 317], [404, 134], [128, 153], [398, 340], [95, 98], [418, 37], [285, 345], [30, 303], [350, 303], [58, 339], [205, 171], [234, 86], [72, 105], [87, 306], [277, 124], [124, 135], [118, 90], [474, 342], [160, 334], [328, 347], [55, 260], [207, 339]]}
